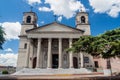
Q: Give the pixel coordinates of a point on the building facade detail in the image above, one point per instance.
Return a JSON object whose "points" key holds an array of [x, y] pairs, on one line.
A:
{"points": [[45, 46], [82, 22]]}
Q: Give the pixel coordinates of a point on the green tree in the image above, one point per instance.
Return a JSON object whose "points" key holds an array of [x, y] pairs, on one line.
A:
{"points": [[106, 45], [83, 45], [4, 72], [2, 39], [113, 43]]}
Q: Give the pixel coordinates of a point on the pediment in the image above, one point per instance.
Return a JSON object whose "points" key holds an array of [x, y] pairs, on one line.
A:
{"points": [[55, 27]]}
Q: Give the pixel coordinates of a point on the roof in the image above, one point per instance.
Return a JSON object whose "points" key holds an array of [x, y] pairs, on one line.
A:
{"points": [[70, 27]]}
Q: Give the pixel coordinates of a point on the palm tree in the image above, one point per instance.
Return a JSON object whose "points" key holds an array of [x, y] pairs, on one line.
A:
{"points": [[2, 39]]}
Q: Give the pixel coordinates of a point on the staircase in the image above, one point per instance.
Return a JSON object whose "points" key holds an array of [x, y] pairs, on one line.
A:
{"points": [[37, 71]]}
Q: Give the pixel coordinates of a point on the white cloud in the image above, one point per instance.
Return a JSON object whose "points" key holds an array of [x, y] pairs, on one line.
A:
{"points": [[34, 1], [8, 59], [60, 18], [42, 22], [8, 50], [110, 7], [44, 9], [66, 8], [12, 29]]}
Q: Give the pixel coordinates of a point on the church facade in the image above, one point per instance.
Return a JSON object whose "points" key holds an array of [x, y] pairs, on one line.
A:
{"points": [[45, 46]]}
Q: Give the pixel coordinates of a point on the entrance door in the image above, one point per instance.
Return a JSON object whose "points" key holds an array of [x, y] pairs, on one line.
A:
{"points": [[55, 61], [75, 62], [34, 62]]}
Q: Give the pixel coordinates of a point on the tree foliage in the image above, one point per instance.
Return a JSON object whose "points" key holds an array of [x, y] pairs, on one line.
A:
{"points": [[106, 45], [2, 39], [4, 72]]}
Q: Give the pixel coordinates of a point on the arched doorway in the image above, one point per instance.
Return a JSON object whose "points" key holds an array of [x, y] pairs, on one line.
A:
{"points": [[75, 62], [34, 62]]}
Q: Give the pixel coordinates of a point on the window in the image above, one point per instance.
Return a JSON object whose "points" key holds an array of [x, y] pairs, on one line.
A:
{"points": [[25, 46], [83, 19], [86, 60], [28, 19], [96, 64]]}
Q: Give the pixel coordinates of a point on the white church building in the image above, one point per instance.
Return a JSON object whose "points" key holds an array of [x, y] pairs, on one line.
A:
{"points": [[44, 47]]}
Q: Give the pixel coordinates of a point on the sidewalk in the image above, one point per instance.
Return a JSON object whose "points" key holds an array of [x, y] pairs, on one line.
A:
{"points": [[93, 76]]}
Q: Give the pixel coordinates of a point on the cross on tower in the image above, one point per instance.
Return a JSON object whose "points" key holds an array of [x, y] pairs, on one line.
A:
{"points": [[31, 8], [81, 9], [55, 17]]}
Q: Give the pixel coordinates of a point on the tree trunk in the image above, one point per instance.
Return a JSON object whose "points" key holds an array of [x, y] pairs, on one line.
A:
{"points": [[109, 66]]}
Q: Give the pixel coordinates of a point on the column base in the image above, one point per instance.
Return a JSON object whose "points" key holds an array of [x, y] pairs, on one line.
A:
{"points": [[60, 68], [27, 67], [49, 68], [37, 68], [71, 67]]}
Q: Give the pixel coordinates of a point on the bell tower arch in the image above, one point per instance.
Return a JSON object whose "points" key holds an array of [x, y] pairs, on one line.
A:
{"points": [[82, 22], [29, 21]]}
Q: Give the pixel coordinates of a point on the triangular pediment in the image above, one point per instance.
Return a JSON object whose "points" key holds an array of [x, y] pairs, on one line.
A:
{"points": [[55, 27]]}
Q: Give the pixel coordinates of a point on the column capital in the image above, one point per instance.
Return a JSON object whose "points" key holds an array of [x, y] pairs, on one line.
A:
{"points": [[70, 39], [49, 39], [39, 39], [70, 42], [60, 39]]}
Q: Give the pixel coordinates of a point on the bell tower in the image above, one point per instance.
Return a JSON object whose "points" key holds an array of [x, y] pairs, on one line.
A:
{"points": [[82, 22], [29, 21]]}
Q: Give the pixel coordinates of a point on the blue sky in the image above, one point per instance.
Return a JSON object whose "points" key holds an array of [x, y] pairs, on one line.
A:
{"points": [[103, 15]]}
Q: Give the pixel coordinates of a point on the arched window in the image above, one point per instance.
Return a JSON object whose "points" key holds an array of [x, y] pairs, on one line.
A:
{"points": [[83, 19], [28, 19]]}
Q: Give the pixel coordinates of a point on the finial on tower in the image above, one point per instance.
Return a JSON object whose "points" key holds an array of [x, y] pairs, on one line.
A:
{"points": [[81, 9], [31, 8], [55, 16]]}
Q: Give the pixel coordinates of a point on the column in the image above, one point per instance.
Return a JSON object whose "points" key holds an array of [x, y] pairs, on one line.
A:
{"points": [[49, 53], [82, 60], [60, 53], [31, 55], [38, 53], [70, 54], [27, 54]]}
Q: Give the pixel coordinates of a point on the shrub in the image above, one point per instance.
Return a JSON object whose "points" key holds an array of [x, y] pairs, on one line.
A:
{"points": [[5, 72]]}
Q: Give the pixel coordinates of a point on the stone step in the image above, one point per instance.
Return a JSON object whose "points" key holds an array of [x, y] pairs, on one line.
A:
{"points": [[37, 71]]}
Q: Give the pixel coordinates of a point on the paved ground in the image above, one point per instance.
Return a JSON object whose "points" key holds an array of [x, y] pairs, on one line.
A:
{"points": [[60, 77]]}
